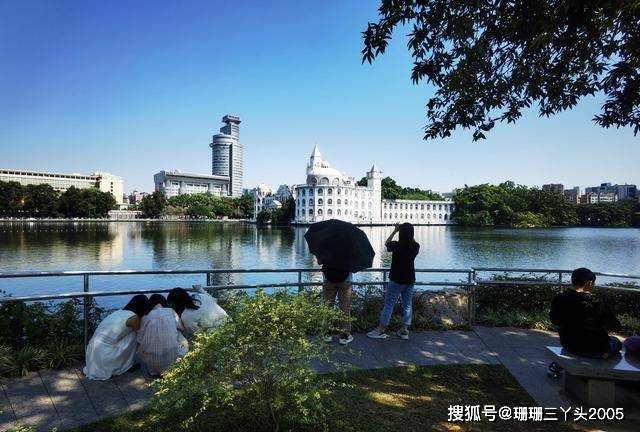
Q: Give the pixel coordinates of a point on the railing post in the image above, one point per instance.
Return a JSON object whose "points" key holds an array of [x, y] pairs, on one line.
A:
{"points": [[384, 279], [471, 298], [86, 301], [299, 281], [560, 282], [208, 279]]}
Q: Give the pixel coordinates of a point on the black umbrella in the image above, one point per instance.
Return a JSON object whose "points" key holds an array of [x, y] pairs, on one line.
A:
{"points": [[340, 245]]}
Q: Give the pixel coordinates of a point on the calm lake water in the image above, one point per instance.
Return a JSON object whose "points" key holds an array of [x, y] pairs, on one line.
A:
{"points": [[39, 246]]}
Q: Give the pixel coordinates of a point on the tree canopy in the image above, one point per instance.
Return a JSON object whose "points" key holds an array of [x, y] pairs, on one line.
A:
{"points": [[197, 206], [511, 205], [391, 190], [42, 201], [153, 205], [282, 216], [490, 59]]}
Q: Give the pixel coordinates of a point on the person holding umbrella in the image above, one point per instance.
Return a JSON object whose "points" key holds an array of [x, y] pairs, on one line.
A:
{"points": [[338, 283], [402, 276], [342, 249]]}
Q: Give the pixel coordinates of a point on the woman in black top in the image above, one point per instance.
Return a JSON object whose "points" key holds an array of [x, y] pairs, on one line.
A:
{"points": [[401, 279]]}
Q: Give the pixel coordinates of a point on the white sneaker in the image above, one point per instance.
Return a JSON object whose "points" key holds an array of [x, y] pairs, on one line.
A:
{"points": [[344, 340], [403, 335], [376, 334], [327, 338]]}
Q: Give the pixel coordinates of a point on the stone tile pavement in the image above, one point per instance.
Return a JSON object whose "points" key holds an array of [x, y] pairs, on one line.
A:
{"points": [[66, 399]]}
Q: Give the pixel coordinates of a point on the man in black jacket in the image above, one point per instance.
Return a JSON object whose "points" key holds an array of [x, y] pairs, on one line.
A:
{"points": [[583, 321]]}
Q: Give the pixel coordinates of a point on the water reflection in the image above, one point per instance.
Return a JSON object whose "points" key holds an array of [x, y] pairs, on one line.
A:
{"points": [[176, 245]]}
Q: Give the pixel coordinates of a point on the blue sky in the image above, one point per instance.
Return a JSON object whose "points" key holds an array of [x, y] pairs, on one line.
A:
{"points": [[133, 87]]}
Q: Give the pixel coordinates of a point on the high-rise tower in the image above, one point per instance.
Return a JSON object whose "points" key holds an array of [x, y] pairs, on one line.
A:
{"points": [[226, 154]]}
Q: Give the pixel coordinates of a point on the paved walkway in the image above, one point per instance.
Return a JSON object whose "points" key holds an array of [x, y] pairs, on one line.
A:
{"points": [[66, 399]]}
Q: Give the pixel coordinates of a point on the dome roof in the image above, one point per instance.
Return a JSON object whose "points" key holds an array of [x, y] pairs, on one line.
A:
{"points": [[325, 171]]}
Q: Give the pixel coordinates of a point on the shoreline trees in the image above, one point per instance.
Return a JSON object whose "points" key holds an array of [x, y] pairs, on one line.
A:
{"points": [[196, 206], [42, 201], [517, 206], [392, 190]]}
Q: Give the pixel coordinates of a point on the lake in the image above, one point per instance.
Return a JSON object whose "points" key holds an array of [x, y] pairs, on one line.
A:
{"points": [[49, 246]]}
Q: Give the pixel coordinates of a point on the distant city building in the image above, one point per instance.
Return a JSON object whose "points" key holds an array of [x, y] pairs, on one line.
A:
{"points": [[264, 198], [603, 188], [284, 193], [597, 198], [61, 182], [174, 183], [136, 197], [554, 187], [623, 192], [572, 195], [259, 195], [226, 155], [627, 192], [329, 194]]}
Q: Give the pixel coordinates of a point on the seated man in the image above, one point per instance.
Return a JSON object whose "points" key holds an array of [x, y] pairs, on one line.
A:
{"points": [[583, 321]]}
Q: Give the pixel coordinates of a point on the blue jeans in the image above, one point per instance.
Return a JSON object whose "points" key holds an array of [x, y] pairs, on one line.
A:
{"points": [[395, 290]]}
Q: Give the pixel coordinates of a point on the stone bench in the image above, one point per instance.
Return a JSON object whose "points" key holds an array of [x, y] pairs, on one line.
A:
{"points": [[614, 382]]}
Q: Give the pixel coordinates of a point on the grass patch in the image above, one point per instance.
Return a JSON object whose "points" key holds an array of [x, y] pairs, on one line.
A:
{"points": [[406, 398]]}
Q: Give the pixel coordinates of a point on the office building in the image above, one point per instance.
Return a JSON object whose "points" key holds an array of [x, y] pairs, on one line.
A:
{"points": [[226, 154], [572, 195], [174, 183], [61, 182], [554, 187], [136, 197]]}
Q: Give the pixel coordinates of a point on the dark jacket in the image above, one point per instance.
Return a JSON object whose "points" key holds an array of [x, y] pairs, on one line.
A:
{"points": [[582, 322], [402, 267]]}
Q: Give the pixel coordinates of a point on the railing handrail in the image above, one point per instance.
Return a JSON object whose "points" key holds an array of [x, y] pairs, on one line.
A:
{"points": [[511, 270], [5, 275], [471, 282]]}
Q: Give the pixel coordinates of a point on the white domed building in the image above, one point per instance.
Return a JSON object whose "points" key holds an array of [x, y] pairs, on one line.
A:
{"points": [[330, 194]]}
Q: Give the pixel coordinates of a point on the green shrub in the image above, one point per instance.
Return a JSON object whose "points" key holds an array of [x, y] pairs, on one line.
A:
{"points": [[515, 297], [515, 318], [254, 372], [630, 324], [368, 302], [528, 305], [231, 300], [26, 359], [621, 302], [6, 361], [43, 334], [64, 354]]}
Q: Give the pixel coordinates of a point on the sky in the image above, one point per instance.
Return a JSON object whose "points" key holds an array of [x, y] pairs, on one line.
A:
{"points": [[132, 88]]}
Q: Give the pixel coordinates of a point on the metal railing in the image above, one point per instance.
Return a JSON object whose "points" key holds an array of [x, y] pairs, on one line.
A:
{"points": [[469, 280]]}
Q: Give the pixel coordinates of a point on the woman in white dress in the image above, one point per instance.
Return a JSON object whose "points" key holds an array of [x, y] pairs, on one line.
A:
{"points": [[112, 347], [198, 312], [159, 338]]}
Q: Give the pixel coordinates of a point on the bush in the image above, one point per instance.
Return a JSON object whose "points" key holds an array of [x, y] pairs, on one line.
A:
{"points": [[515, 318], [515, 297], [21, 362], [254, 372], [528, 306], [41, 335], [65, 354], [367, 303]]}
